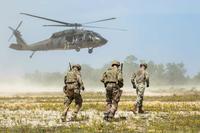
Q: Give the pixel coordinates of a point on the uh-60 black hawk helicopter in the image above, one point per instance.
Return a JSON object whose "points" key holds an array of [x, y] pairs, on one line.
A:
{"points": [[74, 38]]}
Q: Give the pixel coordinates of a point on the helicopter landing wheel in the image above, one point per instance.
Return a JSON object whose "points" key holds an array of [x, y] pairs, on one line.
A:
{"points": [[90, 50], [77, 49]]}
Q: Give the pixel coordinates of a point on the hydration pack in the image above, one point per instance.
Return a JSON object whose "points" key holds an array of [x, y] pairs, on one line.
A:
{"points": [[111, 76], [71, 77]]}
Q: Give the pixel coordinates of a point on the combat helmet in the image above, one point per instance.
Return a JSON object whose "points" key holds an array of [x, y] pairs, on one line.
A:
{"points": [[77, 66], [117, 63], [144, 64]]}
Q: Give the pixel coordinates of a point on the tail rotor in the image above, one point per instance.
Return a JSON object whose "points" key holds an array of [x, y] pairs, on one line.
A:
{"points": [[14, 30]]}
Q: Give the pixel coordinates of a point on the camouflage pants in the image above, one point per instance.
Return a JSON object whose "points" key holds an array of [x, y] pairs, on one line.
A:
{"points": [[72, 94], [113, 94], [140, 94]]}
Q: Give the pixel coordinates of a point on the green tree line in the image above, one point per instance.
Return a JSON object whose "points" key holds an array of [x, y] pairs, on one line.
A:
{"points": [[160, 74]]}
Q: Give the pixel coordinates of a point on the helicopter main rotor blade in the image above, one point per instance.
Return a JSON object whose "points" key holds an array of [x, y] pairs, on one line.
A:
{"points": [[53, 20], [56, 25], [107, 28], [100, 20]]}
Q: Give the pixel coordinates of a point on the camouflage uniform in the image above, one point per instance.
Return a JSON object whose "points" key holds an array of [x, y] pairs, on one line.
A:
{"points": [[140, 80], [72, 88], [113, 81]]}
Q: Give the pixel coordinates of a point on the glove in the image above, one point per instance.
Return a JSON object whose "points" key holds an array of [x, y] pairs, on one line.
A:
{"points": [[121, 84], [65, 89], [83, 88], [134, 86]]}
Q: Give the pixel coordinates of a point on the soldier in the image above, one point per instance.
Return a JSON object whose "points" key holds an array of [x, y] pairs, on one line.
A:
{"points": [[140, 80], [72, 88], [113, 81]]}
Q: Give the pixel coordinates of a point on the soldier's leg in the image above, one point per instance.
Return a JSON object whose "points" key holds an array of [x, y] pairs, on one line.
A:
{"points": [[78, 104], [108, 102], [68, 100], [142, 99], [135, 103], [116, 98], [139, 100]]}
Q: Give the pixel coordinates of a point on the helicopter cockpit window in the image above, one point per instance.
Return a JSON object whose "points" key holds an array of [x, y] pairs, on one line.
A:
{"points": [[97, 36], [90, 36]]}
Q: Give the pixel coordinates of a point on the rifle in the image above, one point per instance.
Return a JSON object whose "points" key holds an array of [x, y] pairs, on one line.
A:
{"points": [[121, 83], [122, 67], [70, 66]]}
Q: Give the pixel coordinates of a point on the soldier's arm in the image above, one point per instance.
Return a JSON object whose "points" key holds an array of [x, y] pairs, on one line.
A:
{"points": [[147, 78], [103, 77], [64, 88], [120, 79], [65, 82], [80, 81], [133, 78], [65, 79]]}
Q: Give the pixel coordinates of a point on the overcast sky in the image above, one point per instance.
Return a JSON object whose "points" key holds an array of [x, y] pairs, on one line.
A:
{"points": [[158, 30]]}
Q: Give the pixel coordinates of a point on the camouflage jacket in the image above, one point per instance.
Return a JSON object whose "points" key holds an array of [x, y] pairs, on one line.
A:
{"points": [[113, 75], [74, 76], [140, 77]]}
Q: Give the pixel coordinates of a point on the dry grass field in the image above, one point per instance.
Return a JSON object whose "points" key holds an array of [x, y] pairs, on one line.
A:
{"points": [[42, 112]]}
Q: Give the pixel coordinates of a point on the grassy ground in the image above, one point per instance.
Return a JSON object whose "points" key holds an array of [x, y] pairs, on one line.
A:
{"points": [[41, 113]]}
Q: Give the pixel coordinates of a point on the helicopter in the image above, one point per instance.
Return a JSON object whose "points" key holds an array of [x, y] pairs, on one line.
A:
{"points": [[69, 39]]}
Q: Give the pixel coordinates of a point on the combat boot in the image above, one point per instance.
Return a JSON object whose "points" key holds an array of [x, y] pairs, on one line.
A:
{"points": [[74, 116], [110, 116], [106, 116], [141, 111], [134, 110], [63, 118]]}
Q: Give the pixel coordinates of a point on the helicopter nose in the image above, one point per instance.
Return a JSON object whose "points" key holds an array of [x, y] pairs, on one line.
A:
{"points": [[103, 41]]}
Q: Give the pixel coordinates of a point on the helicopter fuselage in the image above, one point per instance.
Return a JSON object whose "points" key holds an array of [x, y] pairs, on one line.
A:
{"points": [[67, 40], [74, 38]]}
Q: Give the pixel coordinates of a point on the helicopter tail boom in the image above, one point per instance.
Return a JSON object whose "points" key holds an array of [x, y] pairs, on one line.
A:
{"points": [[15, 46]]}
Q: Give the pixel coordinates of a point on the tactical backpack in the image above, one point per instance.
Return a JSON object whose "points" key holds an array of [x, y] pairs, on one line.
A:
{"points": [[111, 76], [71, 77]]}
